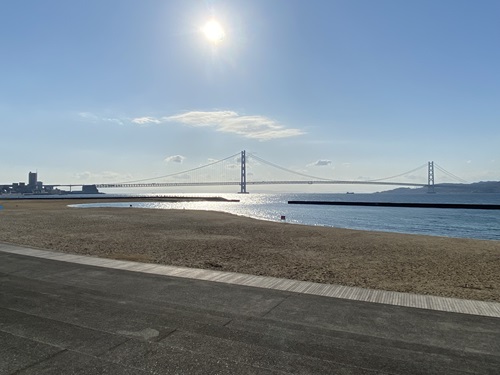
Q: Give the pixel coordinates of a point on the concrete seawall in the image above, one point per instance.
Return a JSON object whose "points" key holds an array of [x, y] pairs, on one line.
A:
{"points": [[414, 205]]}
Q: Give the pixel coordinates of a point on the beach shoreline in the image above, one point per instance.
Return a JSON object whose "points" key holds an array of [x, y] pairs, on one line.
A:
{"points": [[448, 267]]}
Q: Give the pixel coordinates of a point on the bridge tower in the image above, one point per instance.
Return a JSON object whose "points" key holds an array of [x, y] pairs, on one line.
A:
{"points": [[430, 177], [243, 183]]}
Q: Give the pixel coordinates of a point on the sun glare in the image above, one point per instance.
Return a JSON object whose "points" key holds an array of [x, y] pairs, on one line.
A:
{"points": [[213, 31]]}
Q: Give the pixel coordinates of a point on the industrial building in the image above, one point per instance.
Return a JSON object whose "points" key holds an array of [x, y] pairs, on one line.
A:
{"points": [[37, 187]]}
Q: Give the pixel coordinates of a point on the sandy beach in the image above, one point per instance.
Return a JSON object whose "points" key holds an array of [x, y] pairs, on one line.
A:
{"points": [[449, 267]]}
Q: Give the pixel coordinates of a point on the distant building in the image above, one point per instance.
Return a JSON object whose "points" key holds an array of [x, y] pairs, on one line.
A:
{"points": [[32, 179], [37, 187], [89, 189]]}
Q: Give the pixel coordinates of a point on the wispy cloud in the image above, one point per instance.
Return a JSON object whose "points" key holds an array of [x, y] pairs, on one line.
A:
{"points": [[320, 163], [183, 176], [255, 127], [145, 120], [95, 118], [175, 159], [88, 116], [412, 177], [104, 176]]}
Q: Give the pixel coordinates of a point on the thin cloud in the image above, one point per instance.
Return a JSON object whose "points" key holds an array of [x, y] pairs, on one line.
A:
{"points": [[95, 118], [175, 159], [102, 176], [253, 127], [320, 163], [184, 176], [115, 120], [83, 175], [413, 177], [145, 120], [200, 118], [88, 116]]}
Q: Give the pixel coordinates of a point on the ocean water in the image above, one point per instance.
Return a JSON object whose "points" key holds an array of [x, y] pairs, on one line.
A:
{"points": [[460, 223]]}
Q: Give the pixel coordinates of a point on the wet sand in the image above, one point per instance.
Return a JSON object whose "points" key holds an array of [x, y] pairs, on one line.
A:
{"points": [[461, 268]]}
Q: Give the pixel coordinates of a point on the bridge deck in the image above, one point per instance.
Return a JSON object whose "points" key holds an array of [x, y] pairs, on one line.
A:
{"points": [[236, 183]]}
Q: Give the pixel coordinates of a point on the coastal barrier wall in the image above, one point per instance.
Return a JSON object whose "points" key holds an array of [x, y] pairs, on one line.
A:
{"points": [[415, 205]]}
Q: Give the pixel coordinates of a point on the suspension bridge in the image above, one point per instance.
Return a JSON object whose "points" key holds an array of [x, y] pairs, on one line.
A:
{"points": [[238, 170]]}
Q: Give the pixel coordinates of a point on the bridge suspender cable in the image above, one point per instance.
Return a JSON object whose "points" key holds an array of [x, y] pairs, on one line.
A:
{"points": [[178, 173], [329, 179], [289, 170], [398, 175], [225, 180], [450, 174]]}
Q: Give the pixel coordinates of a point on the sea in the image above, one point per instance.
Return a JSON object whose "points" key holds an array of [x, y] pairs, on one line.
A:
{"points": [[458, 223]]}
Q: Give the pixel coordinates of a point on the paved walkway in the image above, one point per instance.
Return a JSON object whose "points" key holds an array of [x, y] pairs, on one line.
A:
{"points": [[326, 290], [61, 313]]}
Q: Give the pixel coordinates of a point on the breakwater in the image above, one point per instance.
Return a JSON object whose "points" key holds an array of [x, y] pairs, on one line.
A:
{"points": [[466, 206], [111, 197]]}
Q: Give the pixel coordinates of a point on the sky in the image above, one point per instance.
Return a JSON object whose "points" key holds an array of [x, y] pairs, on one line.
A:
{"points": [[110, 91]]}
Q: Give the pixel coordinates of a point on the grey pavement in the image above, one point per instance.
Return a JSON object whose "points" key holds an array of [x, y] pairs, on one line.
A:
{"points": [[59, 317]]}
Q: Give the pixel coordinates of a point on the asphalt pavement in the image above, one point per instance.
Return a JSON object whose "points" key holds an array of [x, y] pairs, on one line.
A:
{"points": [[67, 318]]}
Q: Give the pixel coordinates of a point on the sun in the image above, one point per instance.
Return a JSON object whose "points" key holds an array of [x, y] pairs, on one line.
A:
{"points": [[213, 32]]}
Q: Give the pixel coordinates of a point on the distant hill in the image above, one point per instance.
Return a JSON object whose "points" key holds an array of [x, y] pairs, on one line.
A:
{"points": [[476, 187]]}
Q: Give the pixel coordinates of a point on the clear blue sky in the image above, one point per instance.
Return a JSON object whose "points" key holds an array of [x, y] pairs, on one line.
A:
{"points": [[99, 91]]}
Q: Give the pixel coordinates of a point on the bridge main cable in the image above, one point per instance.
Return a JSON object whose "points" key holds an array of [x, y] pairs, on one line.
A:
{"points": [[243, 181], [172, 174]]}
